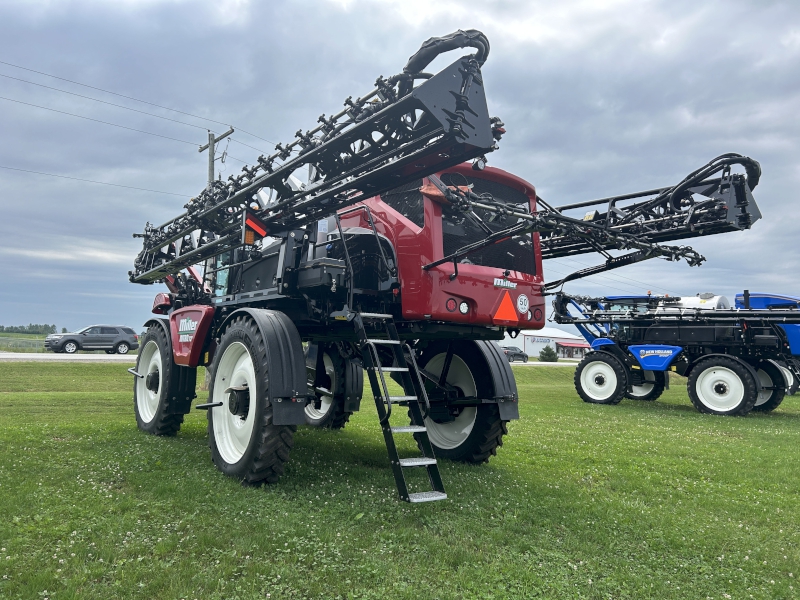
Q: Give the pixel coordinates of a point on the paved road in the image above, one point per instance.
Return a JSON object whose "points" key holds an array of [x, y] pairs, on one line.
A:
{"points": [[536, 363], [53, 357], [131, 358]]}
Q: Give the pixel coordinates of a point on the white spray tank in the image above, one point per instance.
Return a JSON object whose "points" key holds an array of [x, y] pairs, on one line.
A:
{"points": [[704, 301]]}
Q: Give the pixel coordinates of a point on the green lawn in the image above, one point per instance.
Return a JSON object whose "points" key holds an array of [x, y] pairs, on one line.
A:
{"points": [[640, 500]]}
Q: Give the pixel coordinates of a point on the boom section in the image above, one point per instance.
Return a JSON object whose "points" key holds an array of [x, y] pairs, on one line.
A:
{"points": [[396, 133], [699, 205]]}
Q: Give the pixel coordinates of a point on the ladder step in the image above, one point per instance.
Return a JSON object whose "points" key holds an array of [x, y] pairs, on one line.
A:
{"points": [[375, 316], [427, 496], [391, 342], [402, 398], [422, 461], [409, 429], [392, 369]]}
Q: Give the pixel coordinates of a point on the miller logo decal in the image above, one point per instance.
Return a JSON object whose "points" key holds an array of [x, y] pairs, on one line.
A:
{"points": [[186, 329], [504, 283]]}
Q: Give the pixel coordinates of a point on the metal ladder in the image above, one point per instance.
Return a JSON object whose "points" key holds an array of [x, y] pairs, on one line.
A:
{"points": [[414, 395]]}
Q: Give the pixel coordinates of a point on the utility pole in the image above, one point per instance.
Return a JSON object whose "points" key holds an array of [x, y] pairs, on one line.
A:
{"points": [[212, 141]]}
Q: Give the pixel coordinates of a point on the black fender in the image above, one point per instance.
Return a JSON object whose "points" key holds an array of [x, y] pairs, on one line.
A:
{"points": [[288, 391], [503, 380], [749, 367]]}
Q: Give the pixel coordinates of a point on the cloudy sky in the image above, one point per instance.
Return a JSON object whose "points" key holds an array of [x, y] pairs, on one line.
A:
{"points": [[599, 98]]}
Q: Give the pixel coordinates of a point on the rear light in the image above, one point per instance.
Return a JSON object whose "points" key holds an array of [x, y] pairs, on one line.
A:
{"points": [[537, 314], [135, 338], [451, 304], [463, 308]]}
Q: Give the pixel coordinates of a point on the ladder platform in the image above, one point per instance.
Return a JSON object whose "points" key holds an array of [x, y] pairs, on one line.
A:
{"points": [[409, 429], [375, 316], [420, 461], [390, 342], [426, 497]]}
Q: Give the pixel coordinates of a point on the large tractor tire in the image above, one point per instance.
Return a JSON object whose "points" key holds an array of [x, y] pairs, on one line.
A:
{"points": [[471, 434], [162, 385], [651, 389], [720, 385], [327, 411], [773, 387], [601, 378], [244, 441]]}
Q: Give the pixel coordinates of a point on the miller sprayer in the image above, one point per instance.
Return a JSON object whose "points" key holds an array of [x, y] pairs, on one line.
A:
{"points": [[379, 242]]}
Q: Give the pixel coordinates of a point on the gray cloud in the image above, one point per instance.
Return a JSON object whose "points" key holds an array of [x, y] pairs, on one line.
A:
{"points": [[598, 98]]}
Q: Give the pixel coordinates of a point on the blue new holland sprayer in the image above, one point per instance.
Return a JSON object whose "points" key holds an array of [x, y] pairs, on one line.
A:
{"points": [[736, 359]]}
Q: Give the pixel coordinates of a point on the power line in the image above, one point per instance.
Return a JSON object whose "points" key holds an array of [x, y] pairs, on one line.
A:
{"points": [[103, 102], [249, 146], [134, 99], [92, 181], [141, 112], [99, 121], [610, 286], [616, 276]]}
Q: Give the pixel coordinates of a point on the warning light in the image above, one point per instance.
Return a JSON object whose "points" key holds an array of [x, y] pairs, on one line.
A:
{"points": [[451, 304]]}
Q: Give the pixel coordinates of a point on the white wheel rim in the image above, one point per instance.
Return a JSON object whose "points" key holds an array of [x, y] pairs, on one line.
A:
{"points": [[70, 347], [599, 380], [766, 382], [325, 401], [123, 349], [147, 400], [639, 391], [719, 389], [451, 435], [232, 433]]}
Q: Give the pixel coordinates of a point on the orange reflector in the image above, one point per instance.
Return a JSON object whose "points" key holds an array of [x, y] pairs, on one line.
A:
{"points": [[506, 313], [249, 237]]}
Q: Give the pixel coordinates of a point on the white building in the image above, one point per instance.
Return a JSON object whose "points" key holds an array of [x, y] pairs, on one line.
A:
{"points": [[566, 345]]}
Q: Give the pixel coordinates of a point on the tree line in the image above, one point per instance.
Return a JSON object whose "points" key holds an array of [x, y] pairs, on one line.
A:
{"points": [[31, 328]]}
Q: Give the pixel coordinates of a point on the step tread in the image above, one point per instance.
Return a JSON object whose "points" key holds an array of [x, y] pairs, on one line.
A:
{"points": [[393, 369], [375, 316], [427, 496], [391, 342], [402, 398], [417, 461]]}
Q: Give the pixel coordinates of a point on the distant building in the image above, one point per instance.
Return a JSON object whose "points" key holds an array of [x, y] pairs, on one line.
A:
{"points": [[566, 345]]}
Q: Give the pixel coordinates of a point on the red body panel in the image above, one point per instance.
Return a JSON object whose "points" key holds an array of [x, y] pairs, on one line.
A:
{"points": [[189, 328], [424, 294]]}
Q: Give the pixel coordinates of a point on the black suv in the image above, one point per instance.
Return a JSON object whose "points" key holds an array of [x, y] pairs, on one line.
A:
{"points": [[111, 338], [513, 353]]}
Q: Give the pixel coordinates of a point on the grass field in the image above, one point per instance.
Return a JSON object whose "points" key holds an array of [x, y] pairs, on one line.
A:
{"points": [[640, 500]]}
